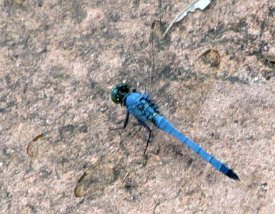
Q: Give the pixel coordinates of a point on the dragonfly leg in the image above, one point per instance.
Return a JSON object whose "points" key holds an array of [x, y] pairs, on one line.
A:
{"points": [[149, 138], [126, 119], [125, 122]]}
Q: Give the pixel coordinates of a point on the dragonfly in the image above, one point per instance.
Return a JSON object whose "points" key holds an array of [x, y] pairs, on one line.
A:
{"points": [[144, 110]]}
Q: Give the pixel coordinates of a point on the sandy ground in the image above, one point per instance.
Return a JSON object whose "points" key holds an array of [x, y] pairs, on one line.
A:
{"points": [[213, 76]]}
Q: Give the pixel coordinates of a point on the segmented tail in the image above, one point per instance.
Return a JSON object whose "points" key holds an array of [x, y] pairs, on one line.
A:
{"points": [[163, 124]]}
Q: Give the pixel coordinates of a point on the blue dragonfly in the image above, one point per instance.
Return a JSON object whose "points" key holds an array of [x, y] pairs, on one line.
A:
{"points": [[144, 110]]}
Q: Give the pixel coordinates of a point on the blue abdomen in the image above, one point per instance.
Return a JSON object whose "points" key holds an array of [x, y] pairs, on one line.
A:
{"points": [[163, 124]]}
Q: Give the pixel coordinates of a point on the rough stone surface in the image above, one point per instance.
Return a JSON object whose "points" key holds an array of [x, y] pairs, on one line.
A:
{"points": [[59, 150]]}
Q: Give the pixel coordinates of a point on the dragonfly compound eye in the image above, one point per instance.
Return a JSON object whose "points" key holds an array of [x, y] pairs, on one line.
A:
{"points": [[119, 93]]}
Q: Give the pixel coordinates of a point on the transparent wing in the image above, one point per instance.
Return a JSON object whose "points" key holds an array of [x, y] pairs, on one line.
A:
{"points": [[180, 89], [176, 87]]}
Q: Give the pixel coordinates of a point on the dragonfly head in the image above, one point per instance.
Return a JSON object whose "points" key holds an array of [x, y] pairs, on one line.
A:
{"points": [[120, 92]]}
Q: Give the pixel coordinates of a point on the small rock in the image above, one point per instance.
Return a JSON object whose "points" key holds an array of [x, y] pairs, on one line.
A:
{"points": [[270, 55]]}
